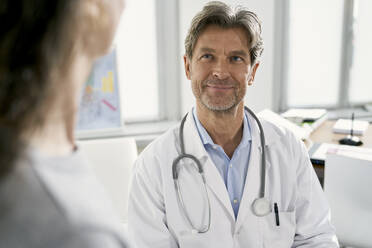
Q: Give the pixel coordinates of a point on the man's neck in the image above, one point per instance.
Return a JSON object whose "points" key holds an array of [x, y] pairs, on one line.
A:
{"points": [[225, 128]]}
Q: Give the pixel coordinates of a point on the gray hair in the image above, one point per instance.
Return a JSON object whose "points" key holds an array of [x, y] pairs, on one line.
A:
{"points": [[224, 16]]}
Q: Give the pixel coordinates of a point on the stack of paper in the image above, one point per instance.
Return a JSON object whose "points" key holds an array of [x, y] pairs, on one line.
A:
{"points": [[304, 114], [345, 125], [300, 132], [312, 118]]}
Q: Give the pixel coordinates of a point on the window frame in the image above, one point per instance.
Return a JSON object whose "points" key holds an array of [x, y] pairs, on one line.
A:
{"points": [[282, 51], [168, 64]]}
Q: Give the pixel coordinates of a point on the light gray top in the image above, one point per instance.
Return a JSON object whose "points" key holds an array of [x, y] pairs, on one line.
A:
{"points": [[56, 202]]}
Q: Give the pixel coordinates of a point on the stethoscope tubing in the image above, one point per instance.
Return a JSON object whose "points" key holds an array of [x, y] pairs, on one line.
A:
{"points": [[201, 172], [263, 153]]}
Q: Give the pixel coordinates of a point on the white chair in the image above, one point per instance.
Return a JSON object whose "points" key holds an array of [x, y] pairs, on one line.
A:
{"points": [[348, 188], [112, 160]]}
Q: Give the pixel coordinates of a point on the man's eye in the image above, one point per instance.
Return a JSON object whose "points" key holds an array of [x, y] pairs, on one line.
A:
{"points": [[236, 59], [206, 56]]}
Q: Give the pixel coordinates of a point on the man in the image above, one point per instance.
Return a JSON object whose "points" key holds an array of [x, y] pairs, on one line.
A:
{"points": [[240, 202]]}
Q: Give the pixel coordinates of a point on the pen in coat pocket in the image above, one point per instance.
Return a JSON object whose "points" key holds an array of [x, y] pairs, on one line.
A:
{"points": [[276, 214]]}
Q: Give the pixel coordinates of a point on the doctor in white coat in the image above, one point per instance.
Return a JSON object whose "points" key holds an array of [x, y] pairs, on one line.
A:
{"points": [[222, 50]]}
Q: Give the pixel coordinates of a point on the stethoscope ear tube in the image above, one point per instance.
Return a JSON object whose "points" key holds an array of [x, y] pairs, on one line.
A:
{"points": [[177, 160], [182, 147], [183, 154], [263, 154], [182, 142], [176, 163], [261, 206], [174, 167]]}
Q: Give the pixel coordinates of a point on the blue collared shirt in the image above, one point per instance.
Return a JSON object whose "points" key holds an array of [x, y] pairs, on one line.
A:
{"points": [[234, 170]]}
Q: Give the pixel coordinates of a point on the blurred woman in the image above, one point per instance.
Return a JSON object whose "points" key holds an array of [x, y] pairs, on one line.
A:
{"points": [[48, 198]]}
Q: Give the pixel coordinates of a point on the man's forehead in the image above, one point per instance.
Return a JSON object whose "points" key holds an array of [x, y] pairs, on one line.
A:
{"points": [[234, 38]]}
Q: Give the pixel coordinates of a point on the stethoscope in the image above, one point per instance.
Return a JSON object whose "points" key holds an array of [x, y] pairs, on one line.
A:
{"points": [[260, 206]]}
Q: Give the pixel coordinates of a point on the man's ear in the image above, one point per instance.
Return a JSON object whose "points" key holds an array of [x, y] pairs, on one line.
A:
{"points": [[186, 62], [253, 73]]}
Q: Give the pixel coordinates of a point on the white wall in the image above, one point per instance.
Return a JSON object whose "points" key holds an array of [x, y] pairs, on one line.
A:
{"points": [[260, 95]]}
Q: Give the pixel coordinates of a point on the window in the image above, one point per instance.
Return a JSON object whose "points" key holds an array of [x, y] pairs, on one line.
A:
{"points": [[326, 54], [147, 60], [361, 80], [137, 61]]}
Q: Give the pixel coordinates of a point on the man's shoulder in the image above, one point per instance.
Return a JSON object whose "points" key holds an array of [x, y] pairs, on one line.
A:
{"points": [[282, 140], [162, 143], [158, 153], [275, 132]]}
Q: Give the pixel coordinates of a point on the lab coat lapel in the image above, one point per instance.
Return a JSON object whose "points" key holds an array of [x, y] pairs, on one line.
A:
{"points": [[253, 178], [194, 146]]}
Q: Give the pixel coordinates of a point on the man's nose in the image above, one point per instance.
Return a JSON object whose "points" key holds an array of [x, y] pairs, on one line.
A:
{"points": [[220, 70]]}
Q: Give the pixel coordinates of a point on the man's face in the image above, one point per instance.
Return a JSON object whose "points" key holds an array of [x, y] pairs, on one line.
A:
{"points": [[220, 68]]}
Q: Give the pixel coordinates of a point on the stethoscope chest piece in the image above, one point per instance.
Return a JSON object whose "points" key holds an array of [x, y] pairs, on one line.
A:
{"points": [[261, 207]]}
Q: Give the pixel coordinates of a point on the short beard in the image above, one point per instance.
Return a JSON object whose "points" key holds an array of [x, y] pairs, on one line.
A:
{"points": [[219, 108]]}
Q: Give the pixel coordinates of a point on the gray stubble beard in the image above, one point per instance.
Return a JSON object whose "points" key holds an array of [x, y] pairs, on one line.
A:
{"points": [[225, 108]]}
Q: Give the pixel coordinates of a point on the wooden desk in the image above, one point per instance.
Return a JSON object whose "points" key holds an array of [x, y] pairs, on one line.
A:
{"points": [[324, 134]]}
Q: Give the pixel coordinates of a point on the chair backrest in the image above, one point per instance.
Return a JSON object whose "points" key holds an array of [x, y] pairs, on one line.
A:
{"points": [[348, 188], [112, 160]]}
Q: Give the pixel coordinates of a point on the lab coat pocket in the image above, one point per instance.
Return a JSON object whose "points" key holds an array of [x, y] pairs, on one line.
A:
{"points": [[278, 236], [191, 240]]}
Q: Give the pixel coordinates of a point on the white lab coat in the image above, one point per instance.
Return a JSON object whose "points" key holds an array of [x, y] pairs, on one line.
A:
{"points": [[156, 218]]}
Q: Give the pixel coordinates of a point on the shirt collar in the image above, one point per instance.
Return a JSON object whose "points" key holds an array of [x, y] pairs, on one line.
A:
{"points": [[207, 140]]}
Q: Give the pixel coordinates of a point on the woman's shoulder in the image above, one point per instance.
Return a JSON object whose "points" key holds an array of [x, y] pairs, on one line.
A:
{"points": [[42, 201]]}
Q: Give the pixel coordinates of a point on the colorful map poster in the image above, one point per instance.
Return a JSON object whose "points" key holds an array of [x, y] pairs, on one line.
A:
{"points": [[100, 104]]}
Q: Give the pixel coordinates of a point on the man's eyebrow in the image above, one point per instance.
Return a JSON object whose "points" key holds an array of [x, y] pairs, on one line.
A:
{"points": [[207, 49], [232, 53], [240, 53]]}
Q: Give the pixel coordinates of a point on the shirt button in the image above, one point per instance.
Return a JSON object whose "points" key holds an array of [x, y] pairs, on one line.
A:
{"points": [[230, 165], [235, 201]]}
